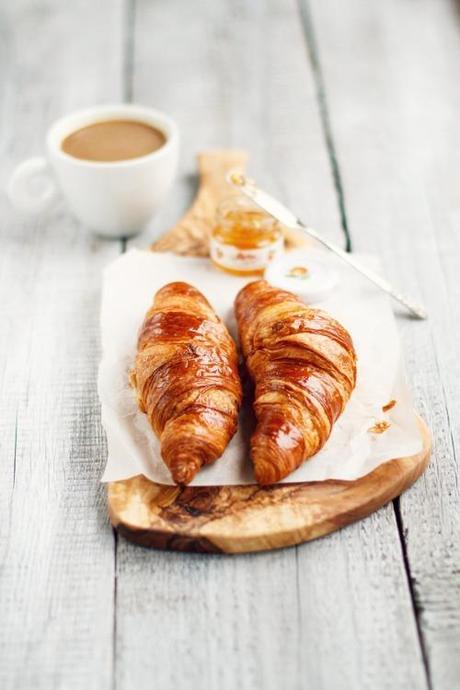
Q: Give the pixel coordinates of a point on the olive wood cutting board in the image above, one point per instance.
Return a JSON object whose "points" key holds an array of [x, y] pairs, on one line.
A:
{"points": [[237, 519]]}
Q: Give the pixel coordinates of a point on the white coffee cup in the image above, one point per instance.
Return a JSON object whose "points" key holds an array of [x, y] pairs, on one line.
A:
{"points": [[114, 199]]}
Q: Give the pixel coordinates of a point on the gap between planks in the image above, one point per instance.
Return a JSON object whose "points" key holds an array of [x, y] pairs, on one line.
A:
{"points": [[323, 109], [405, 556], [128, 51], [127, 67]]}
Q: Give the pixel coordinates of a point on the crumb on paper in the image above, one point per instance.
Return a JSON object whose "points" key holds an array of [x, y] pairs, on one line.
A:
{"points": [[379, 427], [301, 272], [388, 406]]}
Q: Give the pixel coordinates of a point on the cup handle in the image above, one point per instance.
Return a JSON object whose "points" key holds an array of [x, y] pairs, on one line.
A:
{"points": [[32, 188]]}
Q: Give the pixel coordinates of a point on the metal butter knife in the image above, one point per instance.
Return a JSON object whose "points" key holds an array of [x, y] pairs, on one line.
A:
{"points": [[276, 209]]}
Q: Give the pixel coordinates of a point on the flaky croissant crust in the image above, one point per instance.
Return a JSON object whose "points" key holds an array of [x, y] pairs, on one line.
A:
{"points": [[303, 365], [186, 375]]}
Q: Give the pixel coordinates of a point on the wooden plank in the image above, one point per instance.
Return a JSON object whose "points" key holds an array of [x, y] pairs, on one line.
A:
{"points": [[391, 81], [190, 621], [355, 625], [231, 78], [57, 556], [337, 612]]}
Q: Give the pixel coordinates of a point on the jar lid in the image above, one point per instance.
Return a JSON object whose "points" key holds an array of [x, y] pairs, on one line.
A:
{"points": [[240, 210], [304, 272]]}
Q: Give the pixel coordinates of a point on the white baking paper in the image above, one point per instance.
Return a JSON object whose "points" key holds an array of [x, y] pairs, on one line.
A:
{"points": [[352, 450]]}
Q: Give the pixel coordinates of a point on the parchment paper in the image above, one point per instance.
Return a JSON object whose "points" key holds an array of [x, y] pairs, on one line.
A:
{"points": [[351, 451]]}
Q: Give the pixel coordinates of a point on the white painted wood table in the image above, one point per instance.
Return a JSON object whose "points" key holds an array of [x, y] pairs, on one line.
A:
{"points": [[351, 114]]}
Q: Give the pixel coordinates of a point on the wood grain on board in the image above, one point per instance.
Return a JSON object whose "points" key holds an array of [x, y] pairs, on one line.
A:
{"points": [[190, 236], [238, 519]]}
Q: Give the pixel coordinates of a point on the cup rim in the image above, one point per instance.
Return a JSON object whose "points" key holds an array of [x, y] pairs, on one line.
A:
{"points": [[111, 111]]}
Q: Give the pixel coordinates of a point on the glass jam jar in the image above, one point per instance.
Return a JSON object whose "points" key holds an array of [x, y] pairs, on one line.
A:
{"points": [[245, 239]]}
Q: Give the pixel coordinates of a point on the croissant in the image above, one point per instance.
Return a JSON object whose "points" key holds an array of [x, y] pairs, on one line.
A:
{"points": [[303, 365], [187, 381]]}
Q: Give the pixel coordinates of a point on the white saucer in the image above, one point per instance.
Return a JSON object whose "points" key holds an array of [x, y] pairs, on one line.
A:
{"points": [[304, 272]]}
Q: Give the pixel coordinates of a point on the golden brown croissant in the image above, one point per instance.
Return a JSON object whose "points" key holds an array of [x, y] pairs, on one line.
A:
{"points": [[303, 365], [186, 375]]}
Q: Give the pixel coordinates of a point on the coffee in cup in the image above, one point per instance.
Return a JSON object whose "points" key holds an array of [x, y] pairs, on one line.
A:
{"points": [[113, 140]]}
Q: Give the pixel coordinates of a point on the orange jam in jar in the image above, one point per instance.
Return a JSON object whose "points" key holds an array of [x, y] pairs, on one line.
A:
{"points": [[245, 239]]}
